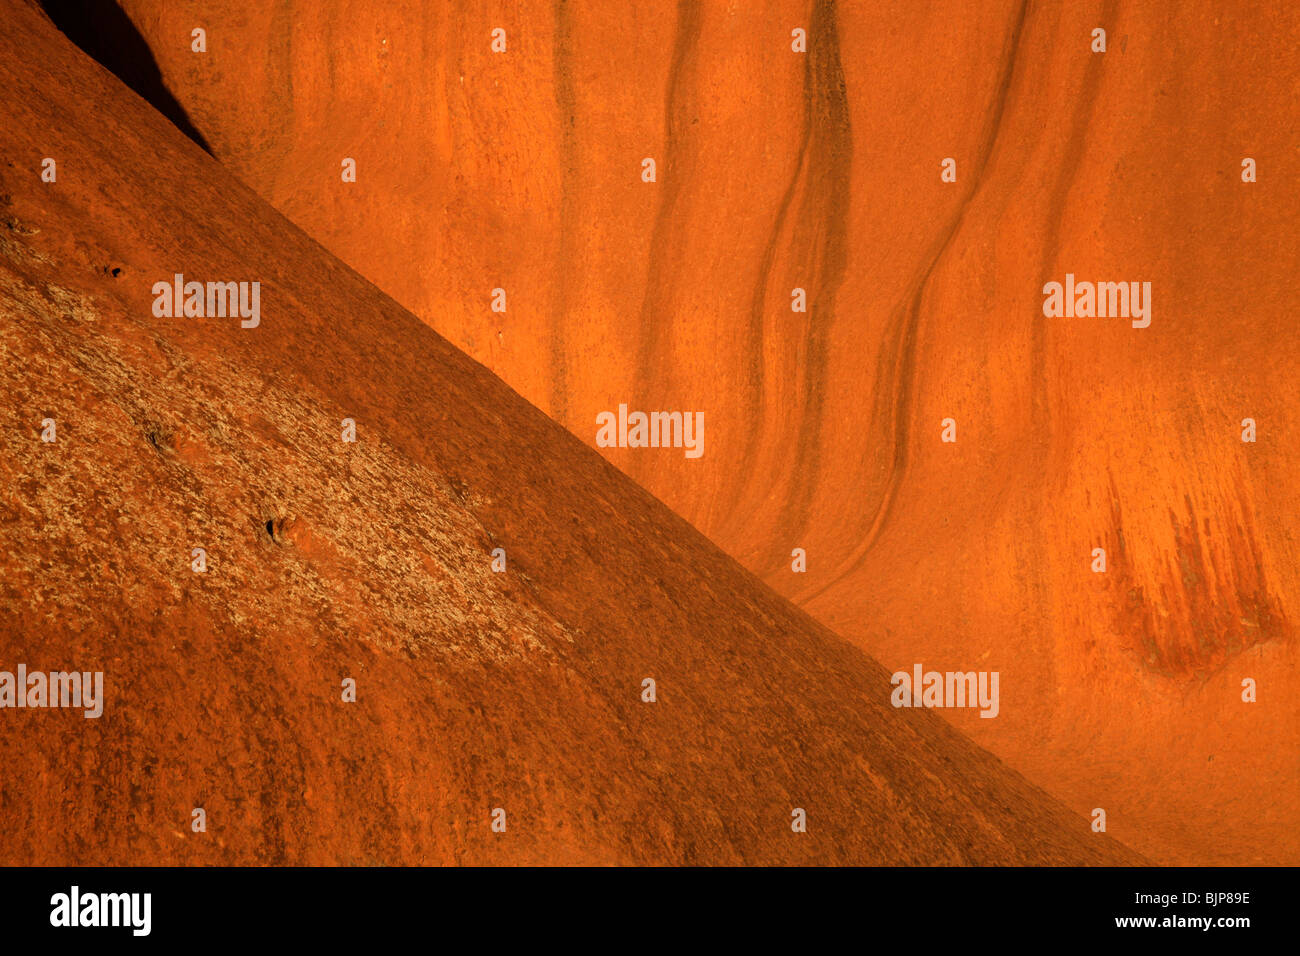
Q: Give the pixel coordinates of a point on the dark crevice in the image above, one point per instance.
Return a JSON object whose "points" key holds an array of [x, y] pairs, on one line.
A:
{"points": [[105, 33], [159, 438]]}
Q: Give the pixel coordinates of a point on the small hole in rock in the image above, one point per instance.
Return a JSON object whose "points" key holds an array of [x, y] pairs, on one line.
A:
{"points": [[270, 528], [158, 437]]}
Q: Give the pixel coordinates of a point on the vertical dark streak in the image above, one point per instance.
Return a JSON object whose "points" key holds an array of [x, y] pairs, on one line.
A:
{"points": [[896, 372], [653, 320], [566, 106], [826, 201], [755, 399], [1085, 103]]}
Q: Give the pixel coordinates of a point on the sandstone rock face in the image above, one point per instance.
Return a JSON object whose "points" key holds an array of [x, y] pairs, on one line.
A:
{"points": [[821, 171], [371, 561]]}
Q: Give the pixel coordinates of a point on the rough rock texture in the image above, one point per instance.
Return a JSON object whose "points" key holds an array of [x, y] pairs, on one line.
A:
{"points": [[327, 560], [776, 170]]}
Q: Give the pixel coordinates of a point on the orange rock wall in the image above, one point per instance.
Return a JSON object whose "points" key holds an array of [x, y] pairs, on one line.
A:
{"points": [[775, 170]]}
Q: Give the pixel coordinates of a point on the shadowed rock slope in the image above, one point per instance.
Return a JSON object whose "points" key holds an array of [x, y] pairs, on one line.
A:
{"points": [[779, 170], [328, 560]]}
